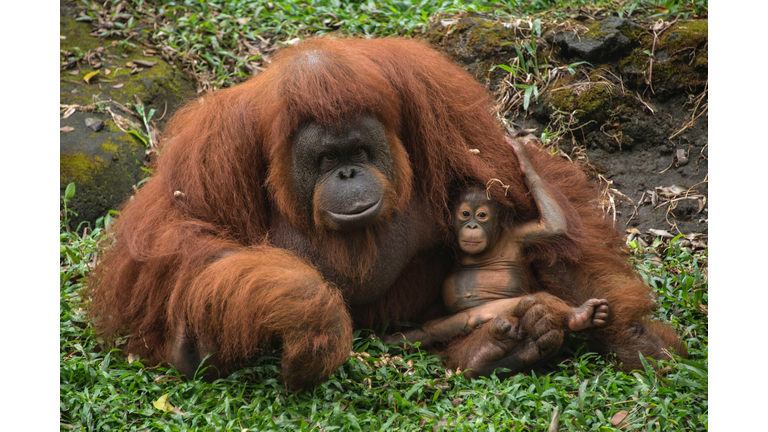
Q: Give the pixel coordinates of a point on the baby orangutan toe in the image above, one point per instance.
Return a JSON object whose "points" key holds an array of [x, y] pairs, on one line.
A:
{"points": [[601, 314], [593, 313]]}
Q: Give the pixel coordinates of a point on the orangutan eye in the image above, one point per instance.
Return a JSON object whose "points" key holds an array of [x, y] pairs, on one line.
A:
{"points": [[465, 213], [359, 154], [328, 158], [482, 215]]}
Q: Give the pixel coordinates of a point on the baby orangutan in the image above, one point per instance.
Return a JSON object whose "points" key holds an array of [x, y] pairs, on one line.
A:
{"points": [[487, 280]]}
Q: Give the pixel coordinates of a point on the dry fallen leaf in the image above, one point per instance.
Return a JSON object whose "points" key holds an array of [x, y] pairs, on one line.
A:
{"points": [[70, 110], [661, 233], [88, 77], [671, 191], [659, 25], [144, 63], [74, 72], [118, 86], [66, 129], [619, 417], [163, 404]]}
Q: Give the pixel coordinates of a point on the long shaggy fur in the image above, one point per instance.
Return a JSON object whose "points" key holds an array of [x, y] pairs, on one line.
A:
{"points": [[201, 266]]}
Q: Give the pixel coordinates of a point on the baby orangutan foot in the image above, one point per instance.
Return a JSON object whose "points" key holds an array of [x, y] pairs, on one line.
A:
{"points": [[593, 313]]}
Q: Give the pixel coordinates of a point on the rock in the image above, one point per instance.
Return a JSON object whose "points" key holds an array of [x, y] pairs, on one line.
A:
{"points": [[603, 39], [104, 161], [93, 124]]}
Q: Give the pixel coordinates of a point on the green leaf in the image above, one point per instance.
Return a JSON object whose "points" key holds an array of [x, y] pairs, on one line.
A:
{"points": [[414, 389], [582, 393], [502, 66], [70, 191], [163, 404], [138, 135], [527, 97]]}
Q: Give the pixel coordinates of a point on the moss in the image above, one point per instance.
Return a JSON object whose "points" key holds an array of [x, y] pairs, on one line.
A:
{"points": [[486, 36], [473, 35], [108, 147], [104, 181], [595, 30], [631, 33], [107, 164], [683, 35], [159, 83], [78, 167], [701, 61], [673, 69], [474, 41], [590, 100], [77, 35]]}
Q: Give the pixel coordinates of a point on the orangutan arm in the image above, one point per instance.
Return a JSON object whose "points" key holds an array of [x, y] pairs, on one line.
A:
{"points": [[251, 296], [552, 221]]}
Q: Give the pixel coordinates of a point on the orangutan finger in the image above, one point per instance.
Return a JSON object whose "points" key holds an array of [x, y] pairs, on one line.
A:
{"points": [[528, 353], [500, 327], [550, 342], [532, 317], [523, 305]]}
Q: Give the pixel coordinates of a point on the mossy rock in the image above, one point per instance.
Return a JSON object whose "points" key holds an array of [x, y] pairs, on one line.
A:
{"points": [[473, 40], [680, 60], [106, 165], [603, 39]]}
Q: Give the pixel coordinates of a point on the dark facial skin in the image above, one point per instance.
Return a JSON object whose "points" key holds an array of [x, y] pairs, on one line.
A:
{"points": [[341, 174], [344, 183], [475, 222]]}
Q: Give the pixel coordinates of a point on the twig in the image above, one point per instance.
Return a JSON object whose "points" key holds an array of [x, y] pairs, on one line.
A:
{"points": [[694, 117]]}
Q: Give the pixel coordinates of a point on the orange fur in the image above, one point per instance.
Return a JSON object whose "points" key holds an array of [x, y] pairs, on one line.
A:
{"points": [[234, 263]]}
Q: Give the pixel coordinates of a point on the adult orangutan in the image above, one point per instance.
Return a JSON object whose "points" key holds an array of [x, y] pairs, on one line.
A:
{"points": [[314, 198]]}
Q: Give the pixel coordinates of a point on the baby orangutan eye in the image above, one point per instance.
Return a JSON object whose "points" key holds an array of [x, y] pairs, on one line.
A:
{"points": [[482, 215], [465, 213]]}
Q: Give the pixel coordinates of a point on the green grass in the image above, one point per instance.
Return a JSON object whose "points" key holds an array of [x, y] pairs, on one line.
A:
{"points": [[211, 38], [101, 390]]}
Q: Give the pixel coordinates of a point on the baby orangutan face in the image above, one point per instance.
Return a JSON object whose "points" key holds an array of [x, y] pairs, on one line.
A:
{"points": [[475, 222]]}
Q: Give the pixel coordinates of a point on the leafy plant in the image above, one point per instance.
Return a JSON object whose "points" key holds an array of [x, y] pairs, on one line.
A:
{"points": [[144, 136]]}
